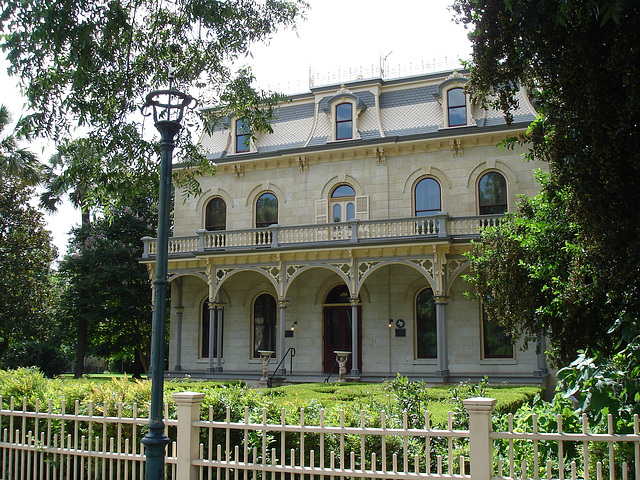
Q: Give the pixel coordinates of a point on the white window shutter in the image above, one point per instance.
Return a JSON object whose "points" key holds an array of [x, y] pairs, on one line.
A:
{"points": [[322, 209], [362, 207]]}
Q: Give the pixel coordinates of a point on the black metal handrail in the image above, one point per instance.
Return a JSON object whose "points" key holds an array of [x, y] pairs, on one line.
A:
{"points": [[291, 351], [333, 369]]}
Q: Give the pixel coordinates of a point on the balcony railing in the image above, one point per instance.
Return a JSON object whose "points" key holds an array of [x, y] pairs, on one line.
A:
{"points": [[440, 226]]}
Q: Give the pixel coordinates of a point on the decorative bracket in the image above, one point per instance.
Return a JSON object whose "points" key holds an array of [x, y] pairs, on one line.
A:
{"points": [[303, 164], [381, 159], [238, 170], [456, 147]]}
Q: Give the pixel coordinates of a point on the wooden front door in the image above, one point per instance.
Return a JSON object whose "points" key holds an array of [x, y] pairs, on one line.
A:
{"points": [[337, 336]]}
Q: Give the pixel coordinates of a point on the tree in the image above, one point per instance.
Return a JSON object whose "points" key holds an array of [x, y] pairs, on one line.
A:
{"points": [[579, 62], [107, 286], [26, 255], [525, 270], [17, 162], [91, 63]]}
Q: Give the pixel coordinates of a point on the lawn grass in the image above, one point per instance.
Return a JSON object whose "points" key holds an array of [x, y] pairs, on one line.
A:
{"points": [[438, 399], [392, 397]]}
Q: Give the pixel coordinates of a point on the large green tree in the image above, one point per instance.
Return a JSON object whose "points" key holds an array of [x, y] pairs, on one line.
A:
{"points": [[90, 64], [15, 161], [106, 285], [579, 61], [26, 255]]}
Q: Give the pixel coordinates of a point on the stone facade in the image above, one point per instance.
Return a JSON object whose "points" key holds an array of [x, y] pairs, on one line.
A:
{"points": [[276, 286]]}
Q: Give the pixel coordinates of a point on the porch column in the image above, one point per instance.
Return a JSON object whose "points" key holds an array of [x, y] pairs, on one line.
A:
{"points": [[354, 336], [441, 333], [219, 315], [282, 304], [212, 315], [541, 358], [178, 365], [179, 312]]}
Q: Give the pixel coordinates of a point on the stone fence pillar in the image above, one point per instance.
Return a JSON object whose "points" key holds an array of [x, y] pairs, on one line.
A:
{"points": [[480, 445], [187, 438]]}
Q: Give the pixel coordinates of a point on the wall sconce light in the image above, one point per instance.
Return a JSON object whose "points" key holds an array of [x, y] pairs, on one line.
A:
{"points": [[390, 322], [289, 333]]}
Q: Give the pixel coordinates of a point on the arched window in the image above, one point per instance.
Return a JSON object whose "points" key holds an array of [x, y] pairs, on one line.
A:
{"points": [[343, 203], [427, 197], [204, 331], [426, 329], [338, 294], [215, 215], [242, 135], [456, 107], [344, 121], [264, 324], [495, 341], [266, 210], [492, 194]]}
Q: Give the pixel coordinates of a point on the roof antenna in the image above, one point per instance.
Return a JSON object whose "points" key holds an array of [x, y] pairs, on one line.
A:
{"points": [[383, 64]]}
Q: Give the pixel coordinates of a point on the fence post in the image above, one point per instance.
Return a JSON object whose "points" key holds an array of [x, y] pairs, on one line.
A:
{"points": [[187, 437], [480, 445]]}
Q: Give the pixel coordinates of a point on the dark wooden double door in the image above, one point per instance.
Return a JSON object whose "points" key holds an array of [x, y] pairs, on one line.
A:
{"points": [[338, 328]]}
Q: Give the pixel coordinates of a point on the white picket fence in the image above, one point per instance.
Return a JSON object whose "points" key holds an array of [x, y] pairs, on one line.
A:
{"points": [[47, 445]]}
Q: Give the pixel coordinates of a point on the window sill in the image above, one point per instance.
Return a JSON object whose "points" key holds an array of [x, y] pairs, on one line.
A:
{"points": [[425, 361], [457, 127], [498, 361]]}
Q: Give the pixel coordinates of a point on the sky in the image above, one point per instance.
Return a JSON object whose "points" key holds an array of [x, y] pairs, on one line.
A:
{"points": [[338, 40]]}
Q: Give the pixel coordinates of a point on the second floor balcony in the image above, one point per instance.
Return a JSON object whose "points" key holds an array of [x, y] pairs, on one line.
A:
{"points": [[432, 228]]}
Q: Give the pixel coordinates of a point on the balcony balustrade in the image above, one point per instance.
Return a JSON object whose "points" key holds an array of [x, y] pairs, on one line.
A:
{"points": [[436, 227]]}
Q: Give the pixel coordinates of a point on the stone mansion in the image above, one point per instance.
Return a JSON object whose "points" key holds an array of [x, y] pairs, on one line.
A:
{"points": [[345, 230]]}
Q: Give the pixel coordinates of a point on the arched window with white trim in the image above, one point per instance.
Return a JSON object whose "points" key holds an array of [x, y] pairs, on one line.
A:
{"points": [[492, 194], [264, 324], [215, 215], [266, 210], [426, 327], [427, 198]]}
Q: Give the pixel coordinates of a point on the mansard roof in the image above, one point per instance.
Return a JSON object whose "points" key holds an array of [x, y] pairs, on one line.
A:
{"points": [[408, 108]]}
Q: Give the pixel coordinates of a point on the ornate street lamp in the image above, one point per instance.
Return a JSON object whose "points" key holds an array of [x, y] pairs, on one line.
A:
{"points": [[168, 109]]}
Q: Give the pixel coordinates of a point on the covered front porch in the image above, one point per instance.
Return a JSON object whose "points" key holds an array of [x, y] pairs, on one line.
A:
{"points": [[402, 307]]}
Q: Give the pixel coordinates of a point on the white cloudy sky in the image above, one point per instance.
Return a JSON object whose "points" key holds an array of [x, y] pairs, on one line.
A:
{"points": [[338, 36]]}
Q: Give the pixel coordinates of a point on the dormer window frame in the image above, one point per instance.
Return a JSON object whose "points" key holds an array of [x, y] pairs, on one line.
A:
{"points": [[342, 97], [454, 82], [236, 135], [344, 119]]}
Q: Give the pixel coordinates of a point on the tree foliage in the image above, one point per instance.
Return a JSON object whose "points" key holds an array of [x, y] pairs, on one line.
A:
{"points": [[528, 270], [26, 255], [107, 286], [90, 64], [17, 162], [579, 61]]}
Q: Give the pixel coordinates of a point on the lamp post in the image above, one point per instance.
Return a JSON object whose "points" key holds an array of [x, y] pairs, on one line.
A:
{"points": [[168, 109]]}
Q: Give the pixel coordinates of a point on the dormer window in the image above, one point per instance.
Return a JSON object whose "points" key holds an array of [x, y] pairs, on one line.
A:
{"points": [[344, 121], [456, 107], [343, 109], [243, 136]]}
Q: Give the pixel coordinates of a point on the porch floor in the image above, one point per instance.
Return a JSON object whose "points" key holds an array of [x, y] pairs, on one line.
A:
{"points": [[251, 378]]}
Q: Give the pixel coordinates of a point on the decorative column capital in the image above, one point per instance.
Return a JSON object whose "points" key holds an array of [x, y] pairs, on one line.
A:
{"points": [[282, 302], [215, 305], [354, 301], [180, 310], [441, 299]]}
